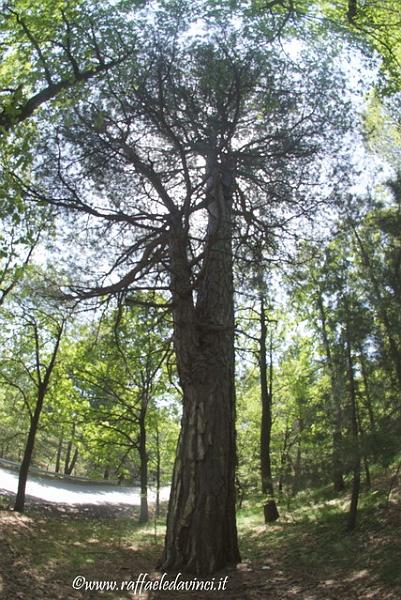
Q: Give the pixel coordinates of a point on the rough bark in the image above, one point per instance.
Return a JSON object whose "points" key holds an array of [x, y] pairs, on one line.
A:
{"points": [[266, 392], [201, 532]]}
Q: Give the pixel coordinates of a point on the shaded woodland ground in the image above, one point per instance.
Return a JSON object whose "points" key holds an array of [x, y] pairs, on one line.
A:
{"points": [[305, 555]]}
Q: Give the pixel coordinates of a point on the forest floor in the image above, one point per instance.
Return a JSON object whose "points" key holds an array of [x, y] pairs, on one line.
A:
{"points": [[305, 555]]}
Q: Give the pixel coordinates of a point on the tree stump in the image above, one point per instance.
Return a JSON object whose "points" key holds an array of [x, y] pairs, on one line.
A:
{"points": [[270, 511]]}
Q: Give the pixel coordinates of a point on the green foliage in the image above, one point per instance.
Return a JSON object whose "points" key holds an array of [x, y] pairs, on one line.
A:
{"points": [[372, 26], [46, 47]]}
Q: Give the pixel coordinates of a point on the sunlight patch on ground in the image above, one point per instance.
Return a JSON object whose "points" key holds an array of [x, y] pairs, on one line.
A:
{"points": [[357, 575]]}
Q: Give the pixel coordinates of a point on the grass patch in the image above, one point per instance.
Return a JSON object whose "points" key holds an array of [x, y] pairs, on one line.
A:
{"points": [[58, 547], [390, 572], [311, 537]]}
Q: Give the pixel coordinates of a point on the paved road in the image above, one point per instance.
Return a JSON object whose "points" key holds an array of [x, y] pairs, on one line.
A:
{"points": [[67, 492]]}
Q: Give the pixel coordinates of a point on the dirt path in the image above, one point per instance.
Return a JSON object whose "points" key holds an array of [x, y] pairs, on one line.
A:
{"points": [[64, 491]]}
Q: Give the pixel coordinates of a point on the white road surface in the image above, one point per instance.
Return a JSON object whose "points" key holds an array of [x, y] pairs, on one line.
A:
{"points": [[68, 492]]}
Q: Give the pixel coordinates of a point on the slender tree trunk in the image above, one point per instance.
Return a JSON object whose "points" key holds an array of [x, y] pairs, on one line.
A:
{"points": [[69, 463], [356, 480], [143, 469], [69, 469], [369, 408], [67, 457], [158, 471], [201, 532], [27, 458], [338, 467], [368, 399], [364, 455], [68, 452], [239, 491], [368, 479], [266, 388], [283, 459], [58, 456], [335, 409], [296, 486]]}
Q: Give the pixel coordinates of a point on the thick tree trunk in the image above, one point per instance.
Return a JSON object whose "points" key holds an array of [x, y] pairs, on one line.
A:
{"points": [[143, 469], [29, 447], [201, 532], [270, 508]]}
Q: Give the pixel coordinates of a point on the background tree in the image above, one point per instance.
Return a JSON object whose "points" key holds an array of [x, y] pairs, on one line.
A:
{"points": [[29, 369], [120, 374], [266, 392]]}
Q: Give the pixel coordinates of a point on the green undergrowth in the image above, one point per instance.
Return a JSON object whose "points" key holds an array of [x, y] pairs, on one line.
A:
{"points": [[311, 537]]}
